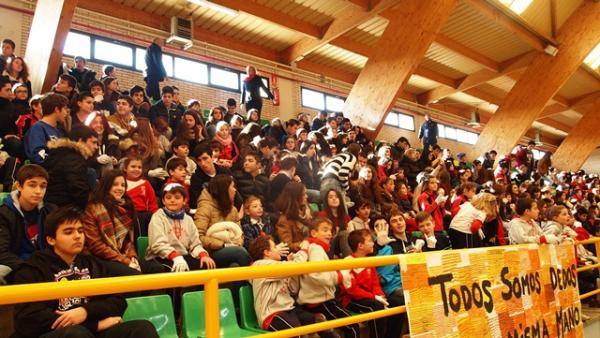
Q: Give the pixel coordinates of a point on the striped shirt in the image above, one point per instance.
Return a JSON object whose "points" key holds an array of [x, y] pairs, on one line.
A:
{"points": [[340, 167]]}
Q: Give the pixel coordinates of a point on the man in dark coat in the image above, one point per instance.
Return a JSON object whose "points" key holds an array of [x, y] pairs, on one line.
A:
{"points": [[83, 75], [67, 166], [155, 70], [428, 132]]}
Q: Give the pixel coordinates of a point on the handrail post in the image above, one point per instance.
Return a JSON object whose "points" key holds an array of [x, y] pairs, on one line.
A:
{"points": [[211, 308]]}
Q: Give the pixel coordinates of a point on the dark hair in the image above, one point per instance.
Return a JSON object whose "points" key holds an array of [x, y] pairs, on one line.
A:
{"points": [[258, 246], [253, 154], [531, 143], [126, 98], [178, 142], [203, 147], [466, 186], [101, 193], [79, 58], [51, 101], [218, 188], [231, 102], [82, 133], [341, 210], [524, 204], [96, 83], [314, 225], [167, 90], [107, 69], [357, 237], [137, 89], [4, 80], [292, 122], [84, 95], [10, 42], [70, 79], [267, 141], [24, 73], [288, 163], [362, 202], [288, 202], [354, 149], [30, 171], [555, 211], [175, 163], [62, 215], [422, 217]]}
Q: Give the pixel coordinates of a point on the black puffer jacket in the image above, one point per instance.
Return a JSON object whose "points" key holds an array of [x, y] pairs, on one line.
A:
{"points": [[67, 168], [247, 185], [83, 78]]}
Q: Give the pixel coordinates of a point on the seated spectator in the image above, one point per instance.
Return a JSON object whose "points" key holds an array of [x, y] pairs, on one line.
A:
{"points": [[335, 173], [205, 171], [66, 86], [250, 181], [319, 121], [101, 104], [67, 166], [140, 192], [215, 116], [365, 294], [465, 192], [9, 115], [173, 239], [22, 219], [164, 108], [181, 149], [82, 74], [253, 116], [268, 150], [524, 228], [149, 149], [333, 209], [404, 198], [21, 99], [108, 226], [191, 129], [112, 91], [388, 196], [54, 110], [432, 201], [108, 143], [230, 152], [317, 289], [256, 223], [308, 165], [215, 207], [141, 104], [97, 316], [25, 121], [178, 174], [467, 227], [123, 121], [428, 239], [85, 106], [18, 72], [291, 225], [287, 173]]}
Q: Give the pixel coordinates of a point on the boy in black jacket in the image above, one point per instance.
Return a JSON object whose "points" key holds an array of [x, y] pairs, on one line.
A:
{"points": [[98, 316]]}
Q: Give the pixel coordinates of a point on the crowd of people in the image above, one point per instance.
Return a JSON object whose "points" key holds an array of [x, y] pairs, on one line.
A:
{"points": [[91, 167]]}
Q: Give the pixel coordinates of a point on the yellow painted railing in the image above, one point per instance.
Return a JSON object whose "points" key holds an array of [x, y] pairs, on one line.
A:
{"points": [[211, 279]]}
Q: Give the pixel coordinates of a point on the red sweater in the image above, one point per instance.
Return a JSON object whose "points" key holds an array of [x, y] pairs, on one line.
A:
{"points": [[427, 203], [456, 204], [365, 285], [142, 195]]}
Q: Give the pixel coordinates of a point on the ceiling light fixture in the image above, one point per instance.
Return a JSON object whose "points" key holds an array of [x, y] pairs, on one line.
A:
{"points": [[216, 7]]}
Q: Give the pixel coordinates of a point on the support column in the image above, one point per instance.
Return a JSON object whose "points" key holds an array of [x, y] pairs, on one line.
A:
{"points": [[580, 143], [541, 80], [393, 59], [49, 29]]}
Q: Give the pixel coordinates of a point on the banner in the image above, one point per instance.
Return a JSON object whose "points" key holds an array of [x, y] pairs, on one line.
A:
{"points": [[521, 291]]}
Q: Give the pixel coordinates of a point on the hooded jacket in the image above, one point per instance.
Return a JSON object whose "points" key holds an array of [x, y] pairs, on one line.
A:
{"points": [[35, 319], [207, 214], [12, 230], [67, 169]]}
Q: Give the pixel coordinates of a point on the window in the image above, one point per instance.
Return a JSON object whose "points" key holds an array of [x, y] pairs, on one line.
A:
{"points": [[517, 6], [400, 120], [168, 63], [313, 99], [593, 58], [112, 52], [224, 78], [77, 44], [334, 103], [265, 81], [191, 71], [450, 133], [140, 59], [441, 130], [456, 134]]}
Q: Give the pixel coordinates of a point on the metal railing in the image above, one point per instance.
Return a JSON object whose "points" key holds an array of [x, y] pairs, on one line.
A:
{"points": [[212, 278]]}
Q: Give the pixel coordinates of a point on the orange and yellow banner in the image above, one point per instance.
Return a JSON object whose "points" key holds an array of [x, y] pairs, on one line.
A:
{"points": [[513, 291]]}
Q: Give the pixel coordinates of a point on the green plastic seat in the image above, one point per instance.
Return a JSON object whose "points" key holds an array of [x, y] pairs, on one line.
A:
{"points": [[141, 244], [193, 321], [264, 123], [3, 196], [314, 207], [247, 312], [157, 309], [418, 234]]}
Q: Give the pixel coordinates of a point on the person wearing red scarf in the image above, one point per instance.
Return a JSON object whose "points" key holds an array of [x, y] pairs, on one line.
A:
{"points": [[251, 87]]}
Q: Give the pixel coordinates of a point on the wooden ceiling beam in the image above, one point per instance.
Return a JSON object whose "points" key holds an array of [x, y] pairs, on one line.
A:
{"points": [[333, 73], [347, 18], [274, 16], [541, 80], [395, 57], [467, 52]]}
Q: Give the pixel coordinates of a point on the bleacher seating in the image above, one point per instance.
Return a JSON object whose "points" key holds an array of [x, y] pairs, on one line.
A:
{"points": [[157, 309]]}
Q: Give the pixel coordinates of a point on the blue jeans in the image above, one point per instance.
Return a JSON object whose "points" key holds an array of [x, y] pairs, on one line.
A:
{"points": [[231, 256]]}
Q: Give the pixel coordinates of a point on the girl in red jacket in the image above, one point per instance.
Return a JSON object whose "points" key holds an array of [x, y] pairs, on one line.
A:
{"points": [[140, 192], [432, 201]]}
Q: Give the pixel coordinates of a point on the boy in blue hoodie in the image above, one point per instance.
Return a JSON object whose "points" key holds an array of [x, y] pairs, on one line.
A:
{"points": [[54, 110], [22, 219]]}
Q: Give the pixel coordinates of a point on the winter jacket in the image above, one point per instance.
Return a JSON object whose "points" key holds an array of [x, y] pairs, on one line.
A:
{"points": [[36, 140], [442, 243], [251, 90], [200, 180], [247, 185], [340, 167], [428, 204], [411, 170], [142, 195], [207, 214], [154, 65], [291, 232], [559, 230], [273, 295], [389, 275], [428, 132], [83, 78], [308, 171], [169, 238], [67, 171], [13, 248], [172, 114], [35, 319], [9, 116], [365, 285]]}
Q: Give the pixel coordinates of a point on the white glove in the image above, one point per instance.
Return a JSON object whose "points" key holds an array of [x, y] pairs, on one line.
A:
{"points": [[104, 159], [134, 264], [419, 244], [381, 230], [481, 234], [431, 241], [382, 300], [98, 98], [179, 265], [441, 199], [158, 173], [551, 239], [283, 249], [226, 245]]}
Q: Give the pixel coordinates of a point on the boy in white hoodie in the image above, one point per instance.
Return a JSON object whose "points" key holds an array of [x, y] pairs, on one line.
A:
{"points": [[317, 290], [273, 302], [525, 229]]}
